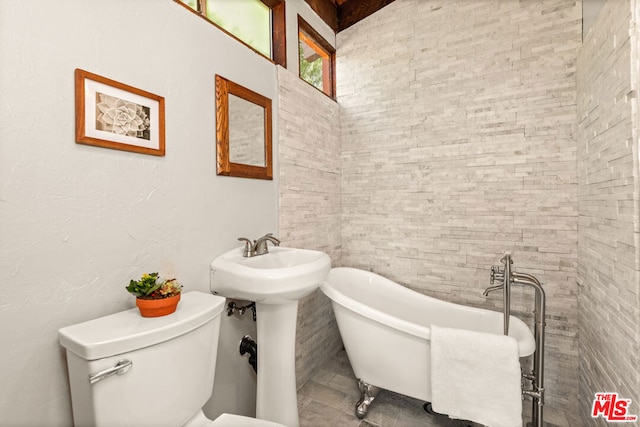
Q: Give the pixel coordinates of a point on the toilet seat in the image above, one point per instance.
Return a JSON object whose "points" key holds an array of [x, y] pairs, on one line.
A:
{"points": [[228, 420]]}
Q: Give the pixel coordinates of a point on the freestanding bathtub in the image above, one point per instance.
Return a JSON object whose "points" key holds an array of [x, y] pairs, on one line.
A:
{"points": [[386, 331]]}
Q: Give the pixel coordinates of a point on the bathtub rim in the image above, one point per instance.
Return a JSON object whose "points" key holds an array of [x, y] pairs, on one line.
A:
{"points": [[424, 332], [372, 313]]}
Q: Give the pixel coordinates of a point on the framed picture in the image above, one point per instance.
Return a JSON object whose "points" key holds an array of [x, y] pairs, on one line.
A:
{"points": [[114, 115]]}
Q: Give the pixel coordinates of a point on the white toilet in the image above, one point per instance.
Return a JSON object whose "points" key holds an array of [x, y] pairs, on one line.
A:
{"points": [[127, 370]]}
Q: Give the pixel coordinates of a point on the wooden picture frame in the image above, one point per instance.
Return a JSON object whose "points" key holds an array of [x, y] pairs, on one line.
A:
{"points": [[226, 165], [114, 115]]}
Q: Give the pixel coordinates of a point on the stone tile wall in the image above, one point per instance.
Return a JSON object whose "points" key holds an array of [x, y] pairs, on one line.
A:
{"points": [[608, 238], [309, 164], [458, 123]]}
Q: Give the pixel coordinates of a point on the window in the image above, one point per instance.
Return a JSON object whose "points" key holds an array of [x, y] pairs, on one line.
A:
{"points": [[317, 59], [257, 23]]}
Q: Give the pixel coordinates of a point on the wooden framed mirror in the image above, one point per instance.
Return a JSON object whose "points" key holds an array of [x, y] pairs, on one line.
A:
{"points": [[243, 131]]}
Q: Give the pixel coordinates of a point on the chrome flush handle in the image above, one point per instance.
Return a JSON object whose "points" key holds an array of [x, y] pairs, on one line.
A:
{"points": [[120, 368]]}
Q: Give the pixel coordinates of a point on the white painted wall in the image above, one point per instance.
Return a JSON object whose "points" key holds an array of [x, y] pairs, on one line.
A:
{"points": [[77, 222]]}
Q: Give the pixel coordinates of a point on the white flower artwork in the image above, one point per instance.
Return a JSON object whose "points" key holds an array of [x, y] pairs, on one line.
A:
{"points": [[114, 115], [122, 117]]}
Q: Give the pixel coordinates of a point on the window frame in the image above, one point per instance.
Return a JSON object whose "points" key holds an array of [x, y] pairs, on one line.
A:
{"points": [[323, 48], [278, 28]]}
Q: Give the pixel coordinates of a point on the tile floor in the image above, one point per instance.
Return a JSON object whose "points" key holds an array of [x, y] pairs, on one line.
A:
{"points": [[329, 398]]}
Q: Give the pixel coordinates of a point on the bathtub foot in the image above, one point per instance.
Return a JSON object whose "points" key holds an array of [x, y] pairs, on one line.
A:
{"points": [[368, 393]]}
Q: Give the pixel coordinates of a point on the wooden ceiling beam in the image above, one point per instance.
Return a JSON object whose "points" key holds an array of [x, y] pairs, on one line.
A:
{"points": [[326, 10], [345, 13], [352, 11]]}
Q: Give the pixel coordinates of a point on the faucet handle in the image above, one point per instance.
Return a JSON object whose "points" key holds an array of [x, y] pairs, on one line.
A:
{"points": [[248, 246], [496, 274]]}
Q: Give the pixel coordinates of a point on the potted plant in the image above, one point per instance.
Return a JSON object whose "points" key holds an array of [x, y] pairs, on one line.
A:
{"points": [[155, 297]]}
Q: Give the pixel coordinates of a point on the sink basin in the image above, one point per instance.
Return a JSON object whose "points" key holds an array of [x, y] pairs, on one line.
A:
{"points": [[283, 275]]}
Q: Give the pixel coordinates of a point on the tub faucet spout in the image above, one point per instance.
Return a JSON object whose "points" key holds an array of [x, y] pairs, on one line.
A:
{"points": [[491, 289]]}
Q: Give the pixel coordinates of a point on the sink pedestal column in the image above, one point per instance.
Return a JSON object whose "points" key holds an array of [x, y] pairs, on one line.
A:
{"points": [[276, 398]]}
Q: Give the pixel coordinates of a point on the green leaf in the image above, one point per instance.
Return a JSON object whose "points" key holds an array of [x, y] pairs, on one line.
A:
{"points": [[157, 286]]}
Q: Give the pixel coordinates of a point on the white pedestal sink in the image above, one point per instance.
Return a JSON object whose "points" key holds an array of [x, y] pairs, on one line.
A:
{"points": [[275, 281]]}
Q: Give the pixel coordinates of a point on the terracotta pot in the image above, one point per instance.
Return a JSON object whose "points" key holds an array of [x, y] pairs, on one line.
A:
{"points": [[157, 307]]}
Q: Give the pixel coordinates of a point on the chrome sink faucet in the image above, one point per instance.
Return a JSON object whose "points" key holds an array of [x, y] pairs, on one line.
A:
{"points": [[258, 247]]}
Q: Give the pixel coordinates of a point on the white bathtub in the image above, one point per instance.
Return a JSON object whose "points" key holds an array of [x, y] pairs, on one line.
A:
{"points": [[386, 330]]}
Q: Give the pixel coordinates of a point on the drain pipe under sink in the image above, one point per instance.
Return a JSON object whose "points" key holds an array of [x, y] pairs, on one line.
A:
{"points": [[248, 345]]}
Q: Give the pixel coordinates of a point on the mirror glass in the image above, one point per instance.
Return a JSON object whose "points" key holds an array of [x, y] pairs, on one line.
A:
{"points": [[243, 131], [246, 132]]}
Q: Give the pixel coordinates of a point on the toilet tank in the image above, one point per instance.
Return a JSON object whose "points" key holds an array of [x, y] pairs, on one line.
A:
{"points": [[172, 368]]}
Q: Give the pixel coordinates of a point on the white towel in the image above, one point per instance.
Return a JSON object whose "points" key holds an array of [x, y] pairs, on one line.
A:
{"points": [[475, 376]]}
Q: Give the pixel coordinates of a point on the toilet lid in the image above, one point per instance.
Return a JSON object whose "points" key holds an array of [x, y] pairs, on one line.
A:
{"points": [[231, 420]]}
